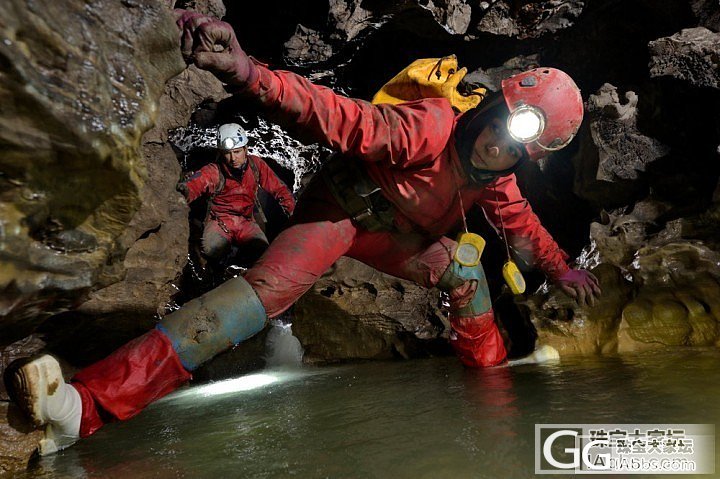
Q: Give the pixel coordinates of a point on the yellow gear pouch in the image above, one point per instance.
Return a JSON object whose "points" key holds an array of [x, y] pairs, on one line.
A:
{"points": [[469, 250], [513, 277]]}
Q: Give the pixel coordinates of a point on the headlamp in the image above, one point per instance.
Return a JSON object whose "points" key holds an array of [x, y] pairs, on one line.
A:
{"points": [[526, 124], [229, 143]]}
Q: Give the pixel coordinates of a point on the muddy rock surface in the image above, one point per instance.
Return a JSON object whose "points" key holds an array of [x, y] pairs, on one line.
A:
{"points": [[80, 86], [355, 312]]}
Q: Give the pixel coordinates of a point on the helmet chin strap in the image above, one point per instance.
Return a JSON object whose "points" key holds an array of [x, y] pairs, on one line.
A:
{"points": [[484, 177]]}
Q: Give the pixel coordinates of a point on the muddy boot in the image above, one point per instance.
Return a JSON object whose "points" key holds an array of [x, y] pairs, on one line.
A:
{"points": [[40, 390], [475, 336]]}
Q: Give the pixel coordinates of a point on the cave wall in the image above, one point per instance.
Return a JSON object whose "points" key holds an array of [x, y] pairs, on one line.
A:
{"points": [[79, 86]]}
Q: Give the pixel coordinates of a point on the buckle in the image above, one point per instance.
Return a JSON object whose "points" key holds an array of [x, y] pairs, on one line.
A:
{"points": [[363, 214]]}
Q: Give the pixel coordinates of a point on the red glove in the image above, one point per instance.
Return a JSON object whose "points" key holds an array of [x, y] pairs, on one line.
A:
{"points": [[212, 45], [581, 285]]}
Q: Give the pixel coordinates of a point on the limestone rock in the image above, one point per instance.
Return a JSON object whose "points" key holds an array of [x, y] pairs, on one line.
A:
{"points": [[349, 18], [623, 150], [307, 46], [80, 85], [351, 21], [355, 312], [18, 439], [621, 235], [707, 12], [613, 152], [693, 55], [679, 299], [453, 15], [216, 8], [574, 330], [492, 77], [29, 346], [528, 19], [157, 236]]}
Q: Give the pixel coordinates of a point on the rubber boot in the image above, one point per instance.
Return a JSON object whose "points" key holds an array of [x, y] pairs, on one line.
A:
{"points": [[543, 354], [477, 341], [155, 364], [124, 383], [474, 336], [140, 372], [40, 390]]}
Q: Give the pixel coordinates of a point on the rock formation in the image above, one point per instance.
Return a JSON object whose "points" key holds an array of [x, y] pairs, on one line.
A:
{"points": [[80, 86]]}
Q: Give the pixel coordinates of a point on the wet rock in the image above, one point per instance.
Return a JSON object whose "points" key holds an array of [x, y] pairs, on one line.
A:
{"points": [[679, 308], [27, 347], [156, 238], [693, 55], [613, 152], [18, 440], [528, 19], [216, 8], [80, 86], [618, 238], [307, 46], [453, 15], [355, 312], [574, 330], [707, 12], [675, 264]]}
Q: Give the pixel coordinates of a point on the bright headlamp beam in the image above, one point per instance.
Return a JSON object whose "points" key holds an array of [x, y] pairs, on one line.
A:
{"points": [[229, 143], [526, 124], [244, 383]]}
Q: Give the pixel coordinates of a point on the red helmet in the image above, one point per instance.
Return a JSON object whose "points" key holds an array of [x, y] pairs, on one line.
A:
{"points": [[546, 109]]}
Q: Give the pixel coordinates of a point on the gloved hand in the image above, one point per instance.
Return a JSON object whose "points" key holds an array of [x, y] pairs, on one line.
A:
{"points": [[581, 285], [212, 45]]}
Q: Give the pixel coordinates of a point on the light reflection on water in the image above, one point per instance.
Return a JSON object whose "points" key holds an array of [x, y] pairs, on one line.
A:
{"points": [[422, 418]]}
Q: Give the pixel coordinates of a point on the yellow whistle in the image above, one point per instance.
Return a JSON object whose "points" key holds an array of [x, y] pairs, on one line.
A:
{"points": [[470, 248], [513, 277]]}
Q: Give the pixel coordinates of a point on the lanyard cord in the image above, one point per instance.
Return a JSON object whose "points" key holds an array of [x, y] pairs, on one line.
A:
{"points": [[462, 211], [502, 224]]}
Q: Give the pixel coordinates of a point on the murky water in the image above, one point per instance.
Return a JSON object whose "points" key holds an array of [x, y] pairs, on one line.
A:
{"points": [[420, 419]]}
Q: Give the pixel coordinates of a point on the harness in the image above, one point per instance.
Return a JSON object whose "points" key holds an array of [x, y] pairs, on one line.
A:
{"points": [[358, 194]]}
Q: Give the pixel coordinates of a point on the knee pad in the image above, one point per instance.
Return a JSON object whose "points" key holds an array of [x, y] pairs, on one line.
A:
{"points": [[456, 276], [214, 322], [215, 245]]}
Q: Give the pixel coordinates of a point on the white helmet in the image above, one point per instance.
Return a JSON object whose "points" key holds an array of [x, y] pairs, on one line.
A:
{"points": [[231, 136]]}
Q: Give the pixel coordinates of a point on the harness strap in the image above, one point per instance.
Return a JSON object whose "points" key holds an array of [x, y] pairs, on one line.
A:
{"points": [[358, 194], [256, 173]]}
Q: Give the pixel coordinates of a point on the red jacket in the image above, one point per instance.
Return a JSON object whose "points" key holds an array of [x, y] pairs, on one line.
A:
{"points": [[410, 154], [238, 195]]}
